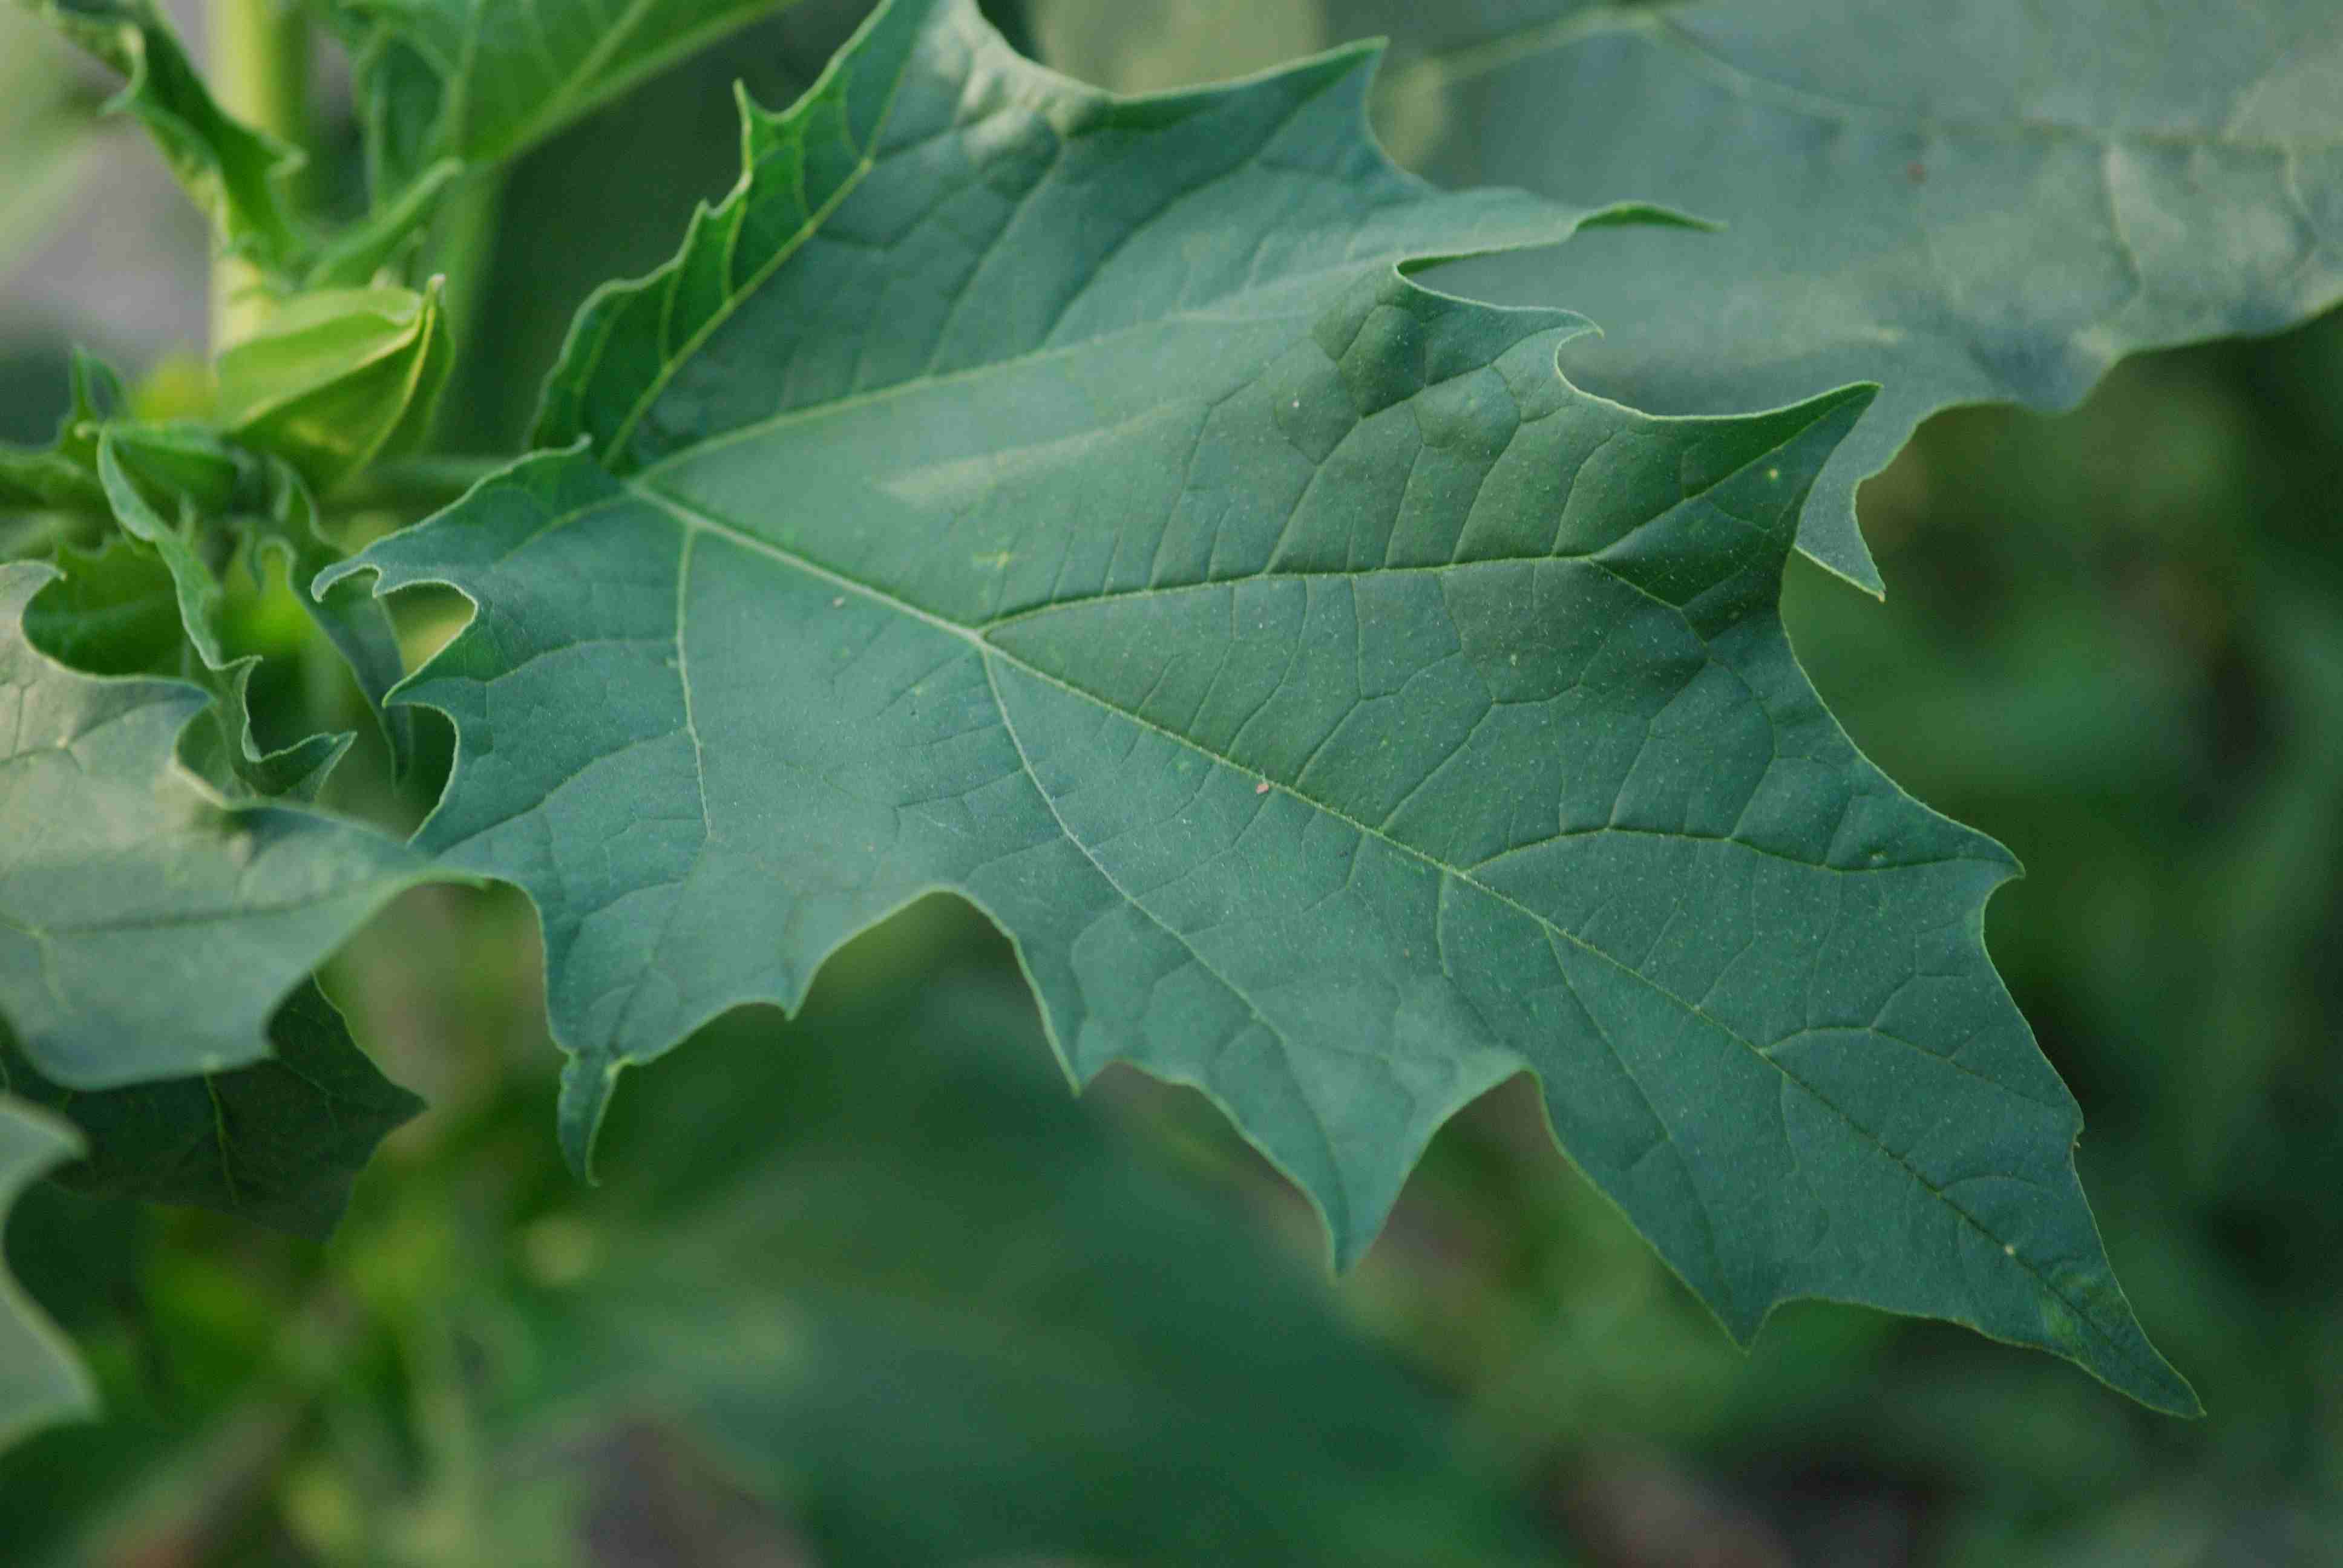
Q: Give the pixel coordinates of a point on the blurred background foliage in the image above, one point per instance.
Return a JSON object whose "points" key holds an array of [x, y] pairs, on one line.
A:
{"points": [[870, 1288]]}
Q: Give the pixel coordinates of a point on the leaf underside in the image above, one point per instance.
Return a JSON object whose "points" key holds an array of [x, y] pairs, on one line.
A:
{"points": [[1068, 501]]}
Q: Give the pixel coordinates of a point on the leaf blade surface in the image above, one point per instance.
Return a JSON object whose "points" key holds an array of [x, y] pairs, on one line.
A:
{"points": [[1340, 711]]}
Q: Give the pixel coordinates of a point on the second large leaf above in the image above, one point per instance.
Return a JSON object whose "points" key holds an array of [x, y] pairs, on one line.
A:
{"points": [[1067, 501], [1969, 201]]}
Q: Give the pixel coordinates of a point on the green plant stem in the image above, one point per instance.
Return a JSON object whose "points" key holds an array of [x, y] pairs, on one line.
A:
{"points": [[260, 74], [464, 250]]}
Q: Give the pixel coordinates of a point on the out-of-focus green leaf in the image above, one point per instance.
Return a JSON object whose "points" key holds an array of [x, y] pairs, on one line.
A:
{"points": [[147, 929], [1067, 501], [1968, 201], [41, 1380], [278, 1143], [337, 379], [46, 125], [883, 1273], [469, 83], [231, 170]]}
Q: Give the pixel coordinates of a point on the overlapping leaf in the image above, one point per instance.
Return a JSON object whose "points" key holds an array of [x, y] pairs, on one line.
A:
{"points": [[802, 1269], [147, 929], [1980, 200], [278, 1143], [1067, 501]]}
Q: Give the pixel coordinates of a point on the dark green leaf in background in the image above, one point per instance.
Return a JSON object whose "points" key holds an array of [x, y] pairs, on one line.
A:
{"points": [[278, 1143], [200, 507], [41, 1380], [470, 83], [147, 929], [1064, 499], [1970, 201]]}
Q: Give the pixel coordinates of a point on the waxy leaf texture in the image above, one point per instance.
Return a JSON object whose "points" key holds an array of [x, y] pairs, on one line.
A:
{"points": [[1069, 501]]}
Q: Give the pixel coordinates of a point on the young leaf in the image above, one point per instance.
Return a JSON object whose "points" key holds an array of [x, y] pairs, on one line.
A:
{"points": [[225, 754], [1967, 201], [446, 84], [227, 501], [41, 1380], [147, 929], [1066, 500], [278, 1143], [339, 378], [230, 169]]}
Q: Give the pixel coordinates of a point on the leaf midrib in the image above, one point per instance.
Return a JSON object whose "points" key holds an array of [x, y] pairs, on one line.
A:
{"points": [[686, 518]]}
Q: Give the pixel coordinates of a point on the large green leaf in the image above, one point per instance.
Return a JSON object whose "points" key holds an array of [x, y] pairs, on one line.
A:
{"points": [[231, 170], [1969, 201], [881, 1269], [1067, 501], [41, 1379], [467, 83], [146, 929], [278, 1143]]}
